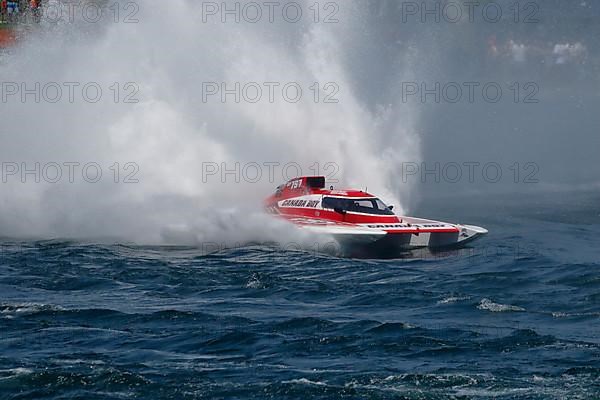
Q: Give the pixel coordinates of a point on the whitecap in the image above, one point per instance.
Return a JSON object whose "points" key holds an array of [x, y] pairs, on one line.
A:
{"points": [[14, 372], [305, 381], [9, 310], [254, 282], [453, 299], [489, 305], [559, 314]]}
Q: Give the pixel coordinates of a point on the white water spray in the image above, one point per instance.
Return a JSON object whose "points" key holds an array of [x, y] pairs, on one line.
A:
{"points": [[174, 130]]}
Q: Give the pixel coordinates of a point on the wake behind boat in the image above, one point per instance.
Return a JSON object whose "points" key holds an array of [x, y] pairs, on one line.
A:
{"points": [[361, 222]]}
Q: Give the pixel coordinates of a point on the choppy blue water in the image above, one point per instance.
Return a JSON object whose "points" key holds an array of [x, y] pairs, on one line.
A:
{"points": [[516, 315]]}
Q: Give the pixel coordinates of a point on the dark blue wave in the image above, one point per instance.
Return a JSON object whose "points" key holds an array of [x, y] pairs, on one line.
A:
{"points": [[513, 316]]}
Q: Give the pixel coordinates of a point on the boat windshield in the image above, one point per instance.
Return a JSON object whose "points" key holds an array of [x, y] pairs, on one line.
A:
{"points": [[365, 206]]}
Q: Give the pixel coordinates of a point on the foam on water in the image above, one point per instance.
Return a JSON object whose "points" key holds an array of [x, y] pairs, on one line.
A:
{"points": [[10, 310], [489, 305], [453, 299]]}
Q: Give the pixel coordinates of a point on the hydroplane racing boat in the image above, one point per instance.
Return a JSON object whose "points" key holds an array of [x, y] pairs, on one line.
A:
{"points": [[361, 222]]}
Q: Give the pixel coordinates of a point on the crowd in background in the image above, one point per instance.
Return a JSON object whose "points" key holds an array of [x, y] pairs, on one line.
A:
{"points": [[15, 10], [519, 52], [542, 46]]}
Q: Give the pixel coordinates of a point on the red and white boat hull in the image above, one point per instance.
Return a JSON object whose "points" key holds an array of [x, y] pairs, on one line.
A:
{"points": [[360, 221]]}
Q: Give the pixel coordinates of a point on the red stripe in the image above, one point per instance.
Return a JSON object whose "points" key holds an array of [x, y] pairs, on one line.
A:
{"points": [[337, 217], [428, 230]]}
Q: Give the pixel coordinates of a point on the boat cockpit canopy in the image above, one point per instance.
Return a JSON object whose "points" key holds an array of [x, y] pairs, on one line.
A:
{"points": [[366, 206], [315, 182]]}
